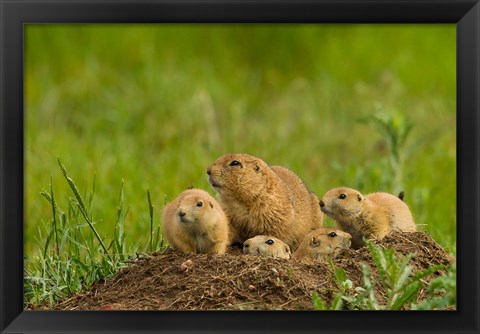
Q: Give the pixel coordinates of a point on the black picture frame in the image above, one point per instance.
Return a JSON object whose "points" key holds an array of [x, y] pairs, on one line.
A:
{"points": [[15, 13]]}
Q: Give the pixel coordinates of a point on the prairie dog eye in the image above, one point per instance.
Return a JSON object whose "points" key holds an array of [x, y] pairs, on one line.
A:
{"points": [[332, 234], [342, 196], [235, 163], [269, 242], [199, 203]]}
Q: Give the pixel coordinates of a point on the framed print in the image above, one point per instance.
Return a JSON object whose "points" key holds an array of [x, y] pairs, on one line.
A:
{"points": [[229, 166]]}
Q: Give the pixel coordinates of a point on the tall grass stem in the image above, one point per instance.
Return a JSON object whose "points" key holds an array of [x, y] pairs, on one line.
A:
{"points": [[150, 207], [81, 206]]}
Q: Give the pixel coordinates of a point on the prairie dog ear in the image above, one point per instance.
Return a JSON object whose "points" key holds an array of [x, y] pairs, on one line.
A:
{"points": [[257, 168], [314, 241], [287, 249], [211, 205], [359, 197]]}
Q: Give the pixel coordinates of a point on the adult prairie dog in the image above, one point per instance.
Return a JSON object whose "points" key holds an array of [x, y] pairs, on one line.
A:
{"points": [[323, 243], [263, 200], [268, 246], [194, 222], [371, 216]]}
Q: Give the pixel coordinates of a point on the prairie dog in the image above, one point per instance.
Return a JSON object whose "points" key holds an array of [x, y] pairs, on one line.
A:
{"points": [[323, 243], [263, 200], [371, 216], [267, 245], [194, 222]]}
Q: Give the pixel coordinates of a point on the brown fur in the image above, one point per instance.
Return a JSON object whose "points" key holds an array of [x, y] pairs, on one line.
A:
{"points": [[321, 244], [372, 216], [267, 245], [263, 200], [202, 229]]}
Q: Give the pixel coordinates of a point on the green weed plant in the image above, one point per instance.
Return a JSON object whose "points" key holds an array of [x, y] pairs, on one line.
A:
{"points": [[400, 288]]}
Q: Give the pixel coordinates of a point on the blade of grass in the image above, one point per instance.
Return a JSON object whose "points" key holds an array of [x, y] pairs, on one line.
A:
{"points": [[150, 207], [81, 206], [119, 231], [54, 215], [157, 238]]}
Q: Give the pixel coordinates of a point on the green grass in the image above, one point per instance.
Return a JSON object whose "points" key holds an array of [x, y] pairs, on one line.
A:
{"points": [[73, 254], [136, 113]]}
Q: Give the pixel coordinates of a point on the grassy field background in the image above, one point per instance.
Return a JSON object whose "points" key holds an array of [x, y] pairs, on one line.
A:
{"points": [[366, 106]]}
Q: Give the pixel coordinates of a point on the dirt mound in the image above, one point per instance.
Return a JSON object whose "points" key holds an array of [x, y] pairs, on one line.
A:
{"points": [[175, 281]]}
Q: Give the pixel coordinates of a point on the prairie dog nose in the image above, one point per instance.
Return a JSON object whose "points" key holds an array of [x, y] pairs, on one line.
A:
{"points": [[181, 213], [209, 170], [322, 203]]}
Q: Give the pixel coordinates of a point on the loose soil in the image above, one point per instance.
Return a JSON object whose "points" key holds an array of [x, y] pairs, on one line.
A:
{"points": [[171, 280]]}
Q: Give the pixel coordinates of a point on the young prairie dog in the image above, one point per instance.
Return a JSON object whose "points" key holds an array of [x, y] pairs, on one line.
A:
{"points": [[268, 246], [263, 200], [371, 216], [323, 243], [194, 222]]}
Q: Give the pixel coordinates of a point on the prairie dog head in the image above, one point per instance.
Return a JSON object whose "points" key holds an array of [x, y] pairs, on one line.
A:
{"points": [[238, 175], [342, 203], [322, 243], [267, 245], [194, 208]]}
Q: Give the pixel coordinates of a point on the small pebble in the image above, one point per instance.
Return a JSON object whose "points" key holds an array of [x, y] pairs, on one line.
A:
{"points": [[186, 265]]}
